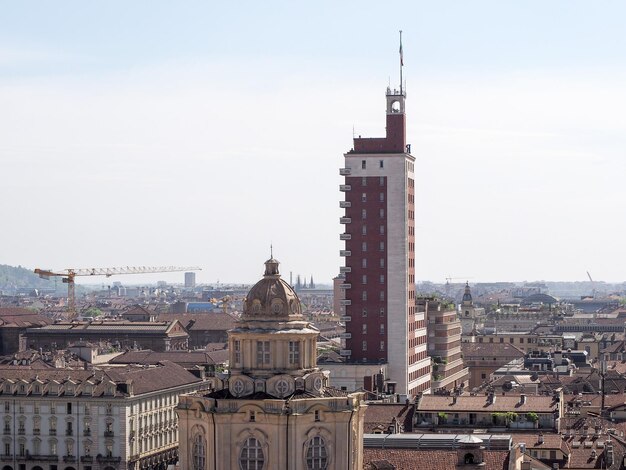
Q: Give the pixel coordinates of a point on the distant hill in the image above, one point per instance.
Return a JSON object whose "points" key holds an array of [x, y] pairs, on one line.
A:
{"points": [[12, 277]]}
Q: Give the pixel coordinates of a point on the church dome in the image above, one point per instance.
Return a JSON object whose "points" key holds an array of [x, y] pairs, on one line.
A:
{"points": [[271, 298]]}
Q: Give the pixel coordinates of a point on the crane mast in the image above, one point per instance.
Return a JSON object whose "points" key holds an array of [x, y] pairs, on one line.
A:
{"points": [[68, 276]]}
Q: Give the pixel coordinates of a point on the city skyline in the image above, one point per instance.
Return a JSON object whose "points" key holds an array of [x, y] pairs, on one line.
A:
{"points": [[156, 136]]}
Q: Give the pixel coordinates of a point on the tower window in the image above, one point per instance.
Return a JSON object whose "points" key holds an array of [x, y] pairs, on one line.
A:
{"points": [[364, 279], [364, 197], [263, 352], [381, 197], [237, 347], [317, 415], [381, 164], [294, 352], [363, 246], [363, 164], [363, 229], [364, 262], [382, 295], [382, 262], [363, 181], [382, 278], [199, 453], [364, 213]]}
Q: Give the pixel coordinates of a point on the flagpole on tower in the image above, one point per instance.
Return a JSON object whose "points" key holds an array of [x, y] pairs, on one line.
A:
{"points": [[401, 61]]}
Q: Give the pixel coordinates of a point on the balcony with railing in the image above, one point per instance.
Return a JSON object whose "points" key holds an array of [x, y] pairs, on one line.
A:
{"points": [[345, 285], [345, 220], [345, 253], [345, 171], [345, 236], [345, 352], [345, 269], [345, 187], [345, 204], [345, 318]]}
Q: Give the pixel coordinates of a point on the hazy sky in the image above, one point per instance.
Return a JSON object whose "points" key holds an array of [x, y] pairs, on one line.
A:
{"points": [[197, 133]]}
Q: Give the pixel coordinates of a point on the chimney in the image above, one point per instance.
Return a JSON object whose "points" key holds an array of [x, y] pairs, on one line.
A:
{"points": [[522, 399], [540, 438], [491, 398], [454, 399]]}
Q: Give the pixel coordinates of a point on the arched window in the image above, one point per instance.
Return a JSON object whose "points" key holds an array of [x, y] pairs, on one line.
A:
{"points": [[251, 457], [198, 454], [316, 455]]}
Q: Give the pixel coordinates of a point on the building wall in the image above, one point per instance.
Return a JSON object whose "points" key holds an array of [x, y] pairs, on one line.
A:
{"points": [[284, 433]]}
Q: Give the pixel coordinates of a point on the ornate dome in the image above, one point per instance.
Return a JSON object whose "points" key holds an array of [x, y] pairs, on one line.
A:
{"points": [[271, 298]]}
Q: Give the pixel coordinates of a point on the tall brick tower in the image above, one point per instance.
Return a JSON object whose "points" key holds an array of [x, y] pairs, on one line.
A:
{"points": [[382, 324]]}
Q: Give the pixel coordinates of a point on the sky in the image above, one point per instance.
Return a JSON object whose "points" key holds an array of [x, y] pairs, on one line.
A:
{"points": [[198, 133]]}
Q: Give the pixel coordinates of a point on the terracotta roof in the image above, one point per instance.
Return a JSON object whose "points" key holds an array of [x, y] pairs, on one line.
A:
{"points": [[217, 320], [178, 357], [473, 350], [539, 404], [379, 416], [415, 459]]}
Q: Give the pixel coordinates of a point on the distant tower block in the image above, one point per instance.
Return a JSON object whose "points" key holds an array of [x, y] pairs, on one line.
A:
{"points": [[190, 280]]}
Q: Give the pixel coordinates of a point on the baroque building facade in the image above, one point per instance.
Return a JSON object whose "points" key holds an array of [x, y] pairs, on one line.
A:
{"points": [[275, 410]]}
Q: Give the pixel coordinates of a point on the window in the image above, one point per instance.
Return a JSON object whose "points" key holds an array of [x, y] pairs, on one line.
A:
{"points": [[364, 295], [317, 415], [381, 180], [363, 229], [382, 213], [36, 446], [252, 417], [294, 352], [364, 279], [53, 447], [251, 456], [381, 197], [237, 346], [363, 181], [364, 329], [22, 451], [7, 408], [381, 164], [7, 448], [381, 246], [382, 262], [382, 328], [363, 213], [198, 453], [382, 345], [382, 311], [382, 278], [363, 164], [262, 352], [316, 454], [363, 246], [364, 346], [382, 295], [363, 197], [502, 340], [364, 262], [364, 312], [69, 408], [381, 229]]}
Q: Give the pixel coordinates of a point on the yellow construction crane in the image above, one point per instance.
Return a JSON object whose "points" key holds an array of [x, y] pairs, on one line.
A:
{"points": [[68, 276]]}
